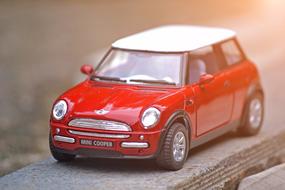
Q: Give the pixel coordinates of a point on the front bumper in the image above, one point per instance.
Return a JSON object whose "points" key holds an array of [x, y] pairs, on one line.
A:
{"points": [[127, 145]]}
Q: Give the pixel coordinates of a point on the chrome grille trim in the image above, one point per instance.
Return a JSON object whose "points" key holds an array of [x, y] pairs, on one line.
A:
{"points": [[134, 145], [99, 124], [92, 134]]}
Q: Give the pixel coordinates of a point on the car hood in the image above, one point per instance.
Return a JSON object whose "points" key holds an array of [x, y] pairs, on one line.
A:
{"points": [[119, 102]]}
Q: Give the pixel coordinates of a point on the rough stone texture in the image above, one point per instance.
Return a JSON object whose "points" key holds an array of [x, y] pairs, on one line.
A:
{"points": [[218, 165], [273, 179]]}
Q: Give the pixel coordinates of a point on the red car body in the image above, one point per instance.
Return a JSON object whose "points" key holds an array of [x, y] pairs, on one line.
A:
{"points": [[208, 108]]}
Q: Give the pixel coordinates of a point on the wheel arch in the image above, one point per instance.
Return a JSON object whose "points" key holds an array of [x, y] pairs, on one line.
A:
{"points": [[253, 88], [179, 116]]}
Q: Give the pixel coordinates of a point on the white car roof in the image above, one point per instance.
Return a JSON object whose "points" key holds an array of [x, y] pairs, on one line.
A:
{"points": [[174, 38]]}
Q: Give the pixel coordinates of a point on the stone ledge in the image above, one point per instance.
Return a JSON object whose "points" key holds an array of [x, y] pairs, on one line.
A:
{"points": [[273, 179], [228, 172], [220, 164]]}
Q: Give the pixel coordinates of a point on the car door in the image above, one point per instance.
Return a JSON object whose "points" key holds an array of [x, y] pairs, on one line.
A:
{"points": [[213, 99], [238, 73]]}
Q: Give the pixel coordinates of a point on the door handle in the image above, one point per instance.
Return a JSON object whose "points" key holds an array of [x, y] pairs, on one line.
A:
{"points": [[227, 84], [189, 102]]}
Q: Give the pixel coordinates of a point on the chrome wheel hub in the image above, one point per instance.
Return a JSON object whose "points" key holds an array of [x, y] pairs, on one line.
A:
{"points": [[179, 146], [255, 113]]}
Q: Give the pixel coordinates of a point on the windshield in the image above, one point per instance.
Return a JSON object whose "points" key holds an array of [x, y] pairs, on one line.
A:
{"points": [[140, 67]]}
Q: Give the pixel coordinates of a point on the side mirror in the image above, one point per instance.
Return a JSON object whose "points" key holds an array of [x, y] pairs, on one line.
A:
{"points": [[205, 79], [86, 69]]}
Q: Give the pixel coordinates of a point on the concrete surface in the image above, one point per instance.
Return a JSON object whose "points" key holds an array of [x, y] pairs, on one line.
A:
{"points": [[219, 165], [273, 179]]}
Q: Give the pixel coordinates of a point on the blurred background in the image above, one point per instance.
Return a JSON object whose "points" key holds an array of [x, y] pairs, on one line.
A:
{"points": [[44, 43]]}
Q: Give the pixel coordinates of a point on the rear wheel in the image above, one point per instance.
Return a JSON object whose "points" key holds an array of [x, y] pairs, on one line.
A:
{"points": [[253, 115], [59, 156], [175, 148]]}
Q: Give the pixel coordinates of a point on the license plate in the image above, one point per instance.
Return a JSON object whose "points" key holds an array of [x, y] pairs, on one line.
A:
{"points": [[96, 143]]}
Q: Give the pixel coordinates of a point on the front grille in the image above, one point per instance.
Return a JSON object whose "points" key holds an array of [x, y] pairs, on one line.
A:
{"points": [[101, 135], [99, 124]]}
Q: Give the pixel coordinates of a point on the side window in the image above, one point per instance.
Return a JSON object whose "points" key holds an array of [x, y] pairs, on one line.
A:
{"points": [[203, 61], [231, 52]]}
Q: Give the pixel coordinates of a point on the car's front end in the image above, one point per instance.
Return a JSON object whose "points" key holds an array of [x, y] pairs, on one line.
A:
{"points": [[100, 134], [102, 143], [116, 117], [116, 131]]}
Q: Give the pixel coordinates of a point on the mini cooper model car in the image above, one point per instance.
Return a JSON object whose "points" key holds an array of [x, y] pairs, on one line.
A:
{"points": [[158, 94]]}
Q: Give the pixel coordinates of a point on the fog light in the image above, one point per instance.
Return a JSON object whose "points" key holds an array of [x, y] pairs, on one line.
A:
{"points": [[57, 130], [141, 137]]}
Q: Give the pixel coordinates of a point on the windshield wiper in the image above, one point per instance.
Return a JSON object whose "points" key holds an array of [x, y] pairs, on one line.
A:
{"points": [[153, 81], [107, 78]]}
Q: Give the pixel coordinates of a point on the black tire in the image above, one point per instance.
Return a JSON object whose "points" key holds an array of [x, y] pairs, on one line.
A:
{"points": [[59, 156], [166, 158], [247, 128]]}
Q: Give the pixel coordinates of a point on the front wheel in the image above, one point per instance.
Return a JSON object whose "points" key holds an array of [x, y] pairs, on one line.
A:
{"points": [[59, 156], [253, 115], [175, 148]]}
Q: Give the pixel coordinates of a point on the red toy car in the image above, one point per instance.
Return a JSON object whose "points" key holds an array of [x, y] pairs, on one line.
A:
{"points": [[157, 94]]}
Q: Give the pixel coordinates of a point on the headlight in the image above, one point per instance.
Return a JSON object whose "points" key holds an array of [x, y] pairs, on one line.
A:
{"points": [[59, 110], [150, 117]]}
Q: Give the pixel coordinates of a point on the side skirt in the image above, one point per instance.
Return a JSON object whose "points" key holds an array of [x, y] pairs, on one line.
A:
{"points": [[214, 134]]}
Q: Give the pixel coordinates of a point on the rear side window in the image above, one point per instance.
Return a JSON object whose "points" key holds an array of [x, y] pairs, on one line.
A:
{"points": [[232, 52], [206, 60]]}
